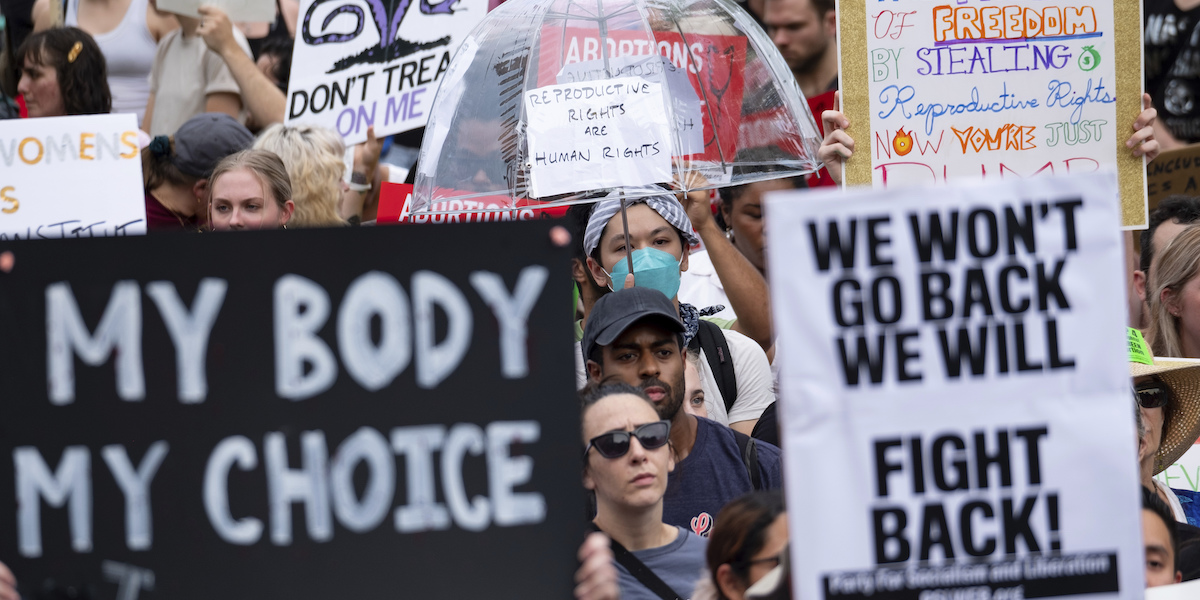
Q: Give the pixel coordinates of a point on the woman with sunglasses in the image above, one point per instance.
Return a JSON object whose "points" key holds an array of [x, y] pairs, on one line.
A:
{"points": [[1168, 396], [748, 541], [626, 459]]}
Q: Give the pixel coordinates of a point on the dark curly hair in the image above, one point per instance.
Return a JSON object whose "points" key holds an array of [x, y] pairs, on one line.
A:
{"points": [[83, 82]]}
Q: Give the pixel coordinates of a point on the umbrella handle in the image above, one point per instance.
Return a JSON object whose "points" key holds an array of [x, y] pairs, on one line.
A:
{"points": [[625, 227]]}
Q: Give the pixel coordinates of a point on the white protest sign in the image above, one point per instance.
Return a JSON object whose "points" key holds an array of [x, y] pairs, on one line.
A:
{"points": [[957, 388], [600, 134], [71, 177], [684, 100], [359, 63], [243, 11]]}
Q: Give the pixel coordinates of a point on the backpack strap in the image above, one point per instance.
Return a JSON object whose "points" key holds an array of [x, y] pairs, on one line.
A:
{"points": [[640, 571], [712, 341], [749, 449]]}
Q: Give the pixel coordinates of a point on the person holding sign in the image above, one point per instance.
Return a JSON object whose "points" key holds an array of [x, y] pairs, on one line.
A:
{"points": [[264, 99], [1168, 395], [63, 73], [250, 190], [626, 461], [634, 336], [660, 233]]}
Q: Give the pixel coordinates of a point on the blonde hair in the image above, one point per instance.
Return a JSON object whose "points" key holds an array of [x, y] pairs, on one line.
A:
{"points": [[1178, 264], [313, 157], [266, 166]]}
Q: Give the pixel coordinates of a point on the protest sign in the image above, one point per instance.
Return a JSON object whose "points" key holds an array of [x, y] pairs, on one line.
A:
{"points": [[1180, 591], [395, 206], [321, 420], [713, 65], [243, 11], [360, 63], [940, 91], [597, 134], [958, 387], [71, 177], [1173, 172]]}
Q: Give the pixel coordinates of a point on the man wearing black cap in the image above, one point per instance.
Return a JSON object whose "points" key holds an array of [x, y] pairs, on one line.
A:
{"points": [[635, 336]]}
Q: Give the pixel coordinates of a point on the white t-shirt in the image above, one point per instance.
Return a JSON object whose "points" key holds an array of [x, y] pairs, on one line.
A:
{"points": [[756, 386]]}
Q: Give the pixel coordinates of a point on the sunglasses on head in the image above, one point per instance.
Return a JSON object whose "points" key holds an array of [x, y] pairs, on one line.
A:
{"points": [[1152, 394], [615, 444]]}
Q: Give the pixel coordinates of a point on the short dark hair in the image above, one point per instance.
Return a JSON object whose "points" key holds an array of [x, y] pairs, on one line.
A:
{"points": [[281, 49], [1154, 504], [741, 532], [824, 6], [82, 82], [1179, 208]]}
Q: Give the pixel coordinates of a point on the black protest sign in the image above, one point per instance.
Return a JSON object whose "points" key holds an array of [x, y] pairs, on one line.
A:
{"points": [[296, 414], [959, 370]]}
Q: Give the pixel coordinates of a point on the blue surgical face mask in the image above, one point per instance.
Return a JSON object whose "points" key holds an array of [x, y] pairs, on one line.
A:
{"points": [[652, 268]]}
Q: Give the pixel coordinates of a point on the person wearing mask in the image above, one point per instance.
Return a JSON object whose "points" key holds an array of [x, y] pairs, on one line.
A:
{"points": [[188, 79], [1174, 297], [748, 542], [176, 169], [62, 74], [634, 336], [737, 376], [127, 33], [626, 462], [250, 190]]}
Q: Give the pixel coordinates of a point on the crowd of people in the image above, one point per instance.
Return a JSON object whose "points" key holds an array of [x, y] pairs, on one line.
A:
{"points": [[675, 361]]}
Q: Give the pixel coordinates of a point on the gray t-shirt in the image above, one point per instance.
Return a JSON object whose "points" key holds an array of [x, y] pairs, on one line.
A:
{"points": [[678, 564]]}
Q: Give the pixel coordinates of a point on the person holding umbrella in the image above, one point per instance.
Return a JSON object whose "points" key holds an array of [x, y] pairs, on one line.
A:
{"points": [[660, 235]]}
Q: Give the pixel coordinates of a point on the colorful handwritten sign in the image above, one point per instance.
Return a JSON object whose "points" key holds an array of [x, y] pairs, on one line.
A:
{"points": [[247, 11], [991, 90], [71, 177], [354, 70]]}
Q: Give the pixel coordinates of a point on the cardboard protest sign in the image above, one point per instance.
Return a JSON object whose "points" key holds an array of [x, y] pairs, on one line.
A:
{"points": [[71, 177], [600, 134], [200, 424], [244, 11], [395, 206], [1173, 172], [940, 91], [957, 385], [360, 63]]}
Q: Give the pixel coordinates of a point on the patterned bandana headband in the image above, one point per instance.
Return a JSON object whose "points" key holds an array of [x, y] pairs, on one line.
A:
{"points": [[666, 206]]}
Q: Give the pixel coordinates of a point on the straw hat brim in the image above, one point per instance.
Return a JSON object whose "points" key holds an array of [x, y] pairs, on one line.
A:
{"points": [[1183, 376]]}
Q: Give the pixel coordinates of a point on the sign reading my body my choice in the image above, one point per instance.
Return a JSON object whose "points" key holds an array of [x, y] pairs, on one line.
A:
{"points": [[958, 355], [185, 423], [380, 67], [71, 177], [597, 134]]}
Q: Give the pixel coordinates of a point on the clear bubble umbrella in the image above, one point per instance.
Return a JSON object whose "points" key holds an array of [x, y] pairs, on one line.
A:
{"points": [[551, 102]]}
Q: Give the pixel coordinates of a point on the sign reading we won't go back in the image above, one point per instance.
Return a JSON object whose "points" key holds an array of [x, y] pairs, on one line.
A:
{"points": [[957, 357]]}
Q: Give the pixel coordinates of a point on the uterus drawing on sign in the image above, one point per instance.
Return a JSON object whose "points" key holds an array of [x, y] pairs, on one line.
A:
{"points": [[386, 15]]}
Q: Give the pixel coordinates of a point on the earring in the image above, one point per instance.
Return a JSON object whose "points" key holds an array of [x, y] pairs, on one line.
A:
{"points": [[729, 234]]}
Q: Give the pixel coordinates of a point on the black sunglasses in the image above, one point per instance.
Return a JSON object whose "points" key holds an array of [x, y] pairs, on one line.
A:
{"points": [[1152, 394], [615, 444]]}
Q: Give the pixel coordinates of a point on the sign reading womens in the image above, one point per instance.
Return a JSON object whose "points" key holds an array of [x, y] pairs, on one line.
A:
{"points": [[362, 63], [961, 355], [49, 171], [184, 423], [1021, 88]]}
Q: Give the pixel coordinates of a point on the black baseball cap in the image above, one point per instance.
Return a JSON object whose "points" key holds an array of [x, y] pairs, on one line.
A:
{"points": [[616, 312]]}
